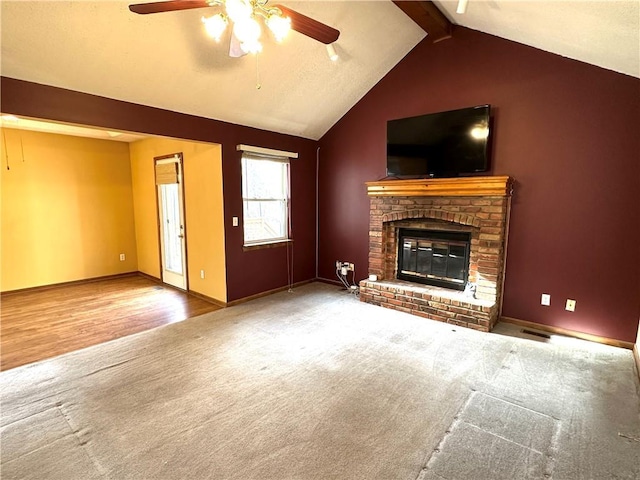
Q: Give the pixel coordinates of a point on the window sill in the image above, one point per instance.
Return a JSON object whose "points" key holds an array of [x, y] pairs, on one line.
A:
{"points": [[261, 246]]}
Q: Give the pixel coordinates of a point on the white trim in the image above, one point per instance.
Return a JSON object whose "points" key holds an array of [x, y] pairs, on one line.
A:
{"points": [[174, 159], [283, 199], [266, 151]]}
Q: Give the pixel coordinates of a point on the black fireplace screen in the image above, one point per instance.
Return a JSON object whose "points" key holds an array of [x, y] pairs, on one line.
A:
{"points": [[434, 257]]}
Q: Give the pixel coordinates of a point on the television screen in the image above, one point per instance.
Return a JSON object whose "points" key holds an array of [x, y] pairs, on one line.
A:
{"points": [[443, 144]]}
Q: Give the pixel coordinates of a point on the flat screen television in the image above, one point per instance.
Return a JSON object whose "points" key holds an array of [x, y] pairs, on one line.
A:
{"points": [[444, 144]]}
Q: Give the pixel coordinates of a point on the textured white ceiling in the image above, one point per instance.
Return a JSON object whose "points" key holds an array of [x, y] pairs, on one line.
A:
{"points": [[603, 33], [165, 60]]}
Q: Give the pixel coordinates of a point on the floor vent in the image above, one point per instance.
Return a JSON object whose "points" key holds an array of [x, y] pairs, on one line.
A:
{"points": [[537, 334]]}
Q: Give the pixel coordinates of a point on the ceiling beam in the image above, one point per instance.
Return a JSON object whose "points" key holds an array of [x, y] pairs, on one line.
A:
{"points": [[428, 17]]}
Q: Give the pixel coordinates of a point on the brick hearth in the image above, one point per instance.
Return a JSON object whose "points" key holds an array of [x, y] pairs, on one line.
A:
{"points": [[478, 205]]}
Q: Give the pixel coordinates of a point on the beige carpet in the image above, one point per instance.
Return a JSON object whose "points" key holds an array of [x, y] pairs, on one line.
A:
{"points": [[316, 385]]}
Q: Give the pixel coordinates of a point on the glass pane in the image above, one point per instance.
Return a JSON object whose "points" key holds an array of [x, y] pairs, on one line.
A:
{"points": [[456, 263], [409, 256], [424, 258], [264, 179], [456, 251], [439, 263], [265, 220], [455, 268], [171, 228]]}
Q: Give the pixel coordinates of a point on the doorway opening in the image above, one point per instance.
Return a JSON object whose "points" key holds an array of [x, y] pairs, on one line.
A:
{"points": [[170, 190]]}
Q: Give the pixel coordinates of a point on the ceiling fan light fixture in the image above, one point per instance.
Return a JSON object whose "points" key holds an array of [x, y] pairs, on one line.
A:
{"points": [[279, 26], [247, 30], [462, 6], [245, 17], [238, 10], [252, 46], [331, 51], [215, 25]]}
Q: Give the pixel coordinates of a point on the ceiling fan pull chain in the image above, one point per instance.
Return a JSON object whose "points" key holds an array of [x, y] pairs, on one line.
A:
{"points": [[258, 86]]}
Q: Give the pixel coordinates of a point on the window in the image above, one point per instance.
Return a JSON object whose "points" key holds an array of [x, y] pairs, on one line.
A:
{"points": [[265, 198]]}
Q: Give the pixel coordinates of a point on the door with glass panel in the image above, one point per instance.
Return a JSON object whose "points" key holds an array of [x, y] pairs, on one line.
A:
{"points": [[171, 220]]}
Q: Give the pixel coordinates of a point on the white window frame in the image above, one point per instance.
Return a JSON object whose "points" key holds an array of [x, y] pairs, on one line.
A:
{"points": [[247, 158]]}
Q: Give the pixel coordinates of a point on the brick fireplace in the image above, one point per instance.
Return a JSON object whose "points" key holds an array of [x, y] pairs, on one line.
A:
{"points": [[476, 206]]}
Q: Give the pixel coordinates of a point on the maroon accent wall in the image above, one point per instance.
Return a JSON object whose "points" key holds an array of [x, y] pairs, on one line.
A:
{"points": [[568, 134], [248, 273]]}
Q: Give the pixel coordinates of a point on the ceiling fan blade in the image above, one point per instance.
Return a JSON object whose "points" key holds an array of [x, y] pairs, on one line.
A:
{"points": [[169, 6], [310, 27]]}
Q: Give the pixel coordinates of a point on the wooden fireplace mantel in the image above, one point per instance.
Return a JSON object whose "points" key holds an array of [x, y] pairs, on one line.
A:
{"points": [[493, 186]]}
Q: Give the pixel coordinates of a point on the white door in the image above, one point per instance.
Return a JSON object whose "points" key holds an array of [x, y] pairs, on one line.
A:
{"points": [[172, 232]]}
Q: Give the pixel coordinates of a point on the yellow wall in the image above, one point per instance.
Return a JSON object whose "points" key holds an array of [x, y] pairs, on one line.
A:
{"points": [[145, 208], [202, 165], [67, 209]]}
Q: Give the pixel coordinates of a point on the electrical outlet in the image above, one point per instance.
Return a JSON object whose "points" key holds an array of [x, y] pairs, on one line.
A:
{"points": [[546, 299], [201, 273], [344, 267], [571, 305], [122, 257]]}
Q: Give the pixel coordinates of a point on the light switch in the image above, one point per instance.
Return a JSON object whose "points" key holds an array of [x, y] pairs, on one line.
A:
{"points": [[235, 221]]}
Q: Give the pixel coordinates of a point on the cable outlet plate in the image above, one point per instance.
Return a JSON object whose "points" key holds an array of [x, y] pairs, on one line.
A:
{"points": [[571, 305]]}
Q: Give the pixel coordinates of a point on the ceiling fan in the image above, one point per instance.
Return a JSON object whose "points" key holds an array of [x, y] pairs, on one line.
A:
{"points": [[243, 15]]}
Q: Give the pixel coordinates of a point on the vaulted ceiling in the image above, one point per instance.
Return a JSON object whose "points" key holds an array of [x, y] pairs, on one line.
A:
{"points": [[165, 60]]}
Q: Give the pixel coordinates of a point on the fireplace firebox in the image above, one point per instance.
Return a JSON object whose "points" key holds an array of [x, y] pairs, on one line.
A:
{"points": [[436, 258]]}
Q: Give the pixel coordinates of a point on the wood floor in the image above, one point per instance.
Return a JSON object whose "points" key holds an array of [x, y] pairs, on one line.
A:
{"points": [[44, 323]]}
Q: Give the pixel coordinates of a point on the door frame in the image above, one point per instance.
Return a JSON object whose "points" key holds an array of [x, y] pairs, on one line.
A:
{"points": [[180, 160]]}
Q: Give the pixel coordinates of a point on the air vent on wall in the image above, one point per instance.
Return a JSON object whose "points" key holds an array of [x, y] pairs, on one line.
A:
{"points": [[537, 334]]}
